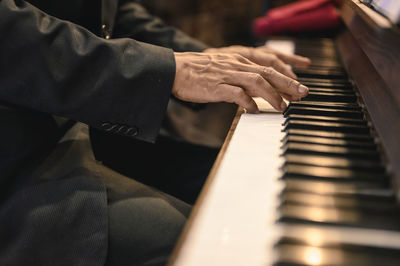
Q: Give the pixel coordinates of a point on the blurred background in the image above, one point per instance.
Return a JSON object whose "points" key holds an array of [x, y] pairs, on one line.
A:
{"points": [[215, 22]]}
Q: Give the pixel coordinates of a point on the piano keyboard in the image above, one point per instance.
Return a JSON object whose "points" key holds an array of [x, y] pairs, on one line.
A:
{"points": [[334, 178], [313, 190]]}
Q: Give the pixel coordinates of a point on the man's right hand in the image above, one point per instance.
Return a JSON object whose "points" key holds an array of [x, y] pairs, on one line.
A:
{"points": [[209, 77]]}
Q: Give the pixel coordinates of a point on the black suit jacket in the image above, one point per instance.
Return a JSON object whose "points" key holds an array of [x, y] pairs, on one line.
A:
{"points": [[55, 59]]}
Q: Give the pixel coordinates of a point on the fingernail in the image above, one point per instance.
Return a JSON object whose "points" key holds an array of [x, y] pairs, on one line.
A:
{"points": [[302, 89], [283, 106]]}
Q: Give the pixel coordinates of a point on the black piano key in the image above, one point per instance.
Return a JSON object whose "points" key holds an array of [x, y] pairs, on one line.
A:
{"points": [[376, 219], [335, 162], [293, 170], [354, 201], [326, 83], [331, 135], [324, 55], [339, 187], [317, 45], [313, 72], [325, 150], [342, 81], [326, 68], [311, 67], [323, 112], [329, 90], [325, 119], [327, 126], [331, 62], [330, 142], [295, 253], [327, 105], [311, 84], [317, 50], [333, 67], [317, 62], [313, 44], [330, 97]]}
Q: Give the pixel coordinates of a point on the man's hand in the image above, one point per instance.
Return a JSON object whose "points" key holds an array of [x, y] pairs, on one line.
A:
{"points": [[266, 56], [209, 77]]}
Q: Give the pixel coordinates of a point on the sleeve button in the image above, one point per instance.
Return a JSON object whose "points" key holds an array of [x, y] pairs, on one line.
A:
{"points": [[132, 131], [122, 129], [106, 125]]}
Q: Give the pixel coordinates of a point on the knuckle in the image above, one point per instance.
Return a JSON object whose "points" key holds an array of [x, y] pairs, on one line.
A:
{"points": [[236, 92], [222, 57], [257, 79], [240, 94], [268, 71], [293, 84], [248, 103], [274, 57], [277, 62]]}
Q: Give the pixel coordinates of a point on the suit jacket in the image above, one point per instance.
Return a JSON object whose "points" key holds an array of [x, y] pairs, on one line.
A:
{"points": [[54, 62]]}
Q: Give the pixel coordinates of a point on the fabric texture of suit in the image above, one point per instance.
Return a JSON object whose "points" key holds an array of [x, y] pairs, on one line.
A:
{"points": [[53, 208]]}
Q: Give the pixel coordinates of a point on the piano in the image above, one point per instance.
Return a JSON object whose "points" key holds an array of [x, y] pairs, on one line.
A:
{"points": [[319, 184]]}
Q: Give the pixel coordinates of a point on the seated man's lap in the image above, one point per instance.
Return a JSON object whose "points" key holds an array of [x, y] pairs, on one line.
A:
{"points": [[144, 224]]}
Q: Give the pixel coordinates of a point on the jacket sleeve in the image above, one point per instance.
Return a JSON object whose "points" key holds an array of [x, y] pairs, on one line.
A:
{"points": [[56, 67], [133, 21]]}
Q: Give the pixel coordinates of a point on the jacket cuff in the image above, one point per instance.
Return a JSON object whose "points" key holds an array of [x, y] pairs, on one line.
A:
{"points": [[143, 89]]}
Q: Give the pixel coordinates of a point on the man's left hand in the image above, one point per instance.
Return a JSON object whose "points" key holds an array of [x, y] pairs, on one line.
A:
{"points": [[266, 56]]}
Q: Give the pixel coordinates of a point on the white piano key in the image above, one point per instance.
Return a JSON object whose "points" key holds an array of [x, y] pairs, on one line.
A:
{"points": [[232, 225], [265, 106], [285, 46], [315, 235], [235, 225]]}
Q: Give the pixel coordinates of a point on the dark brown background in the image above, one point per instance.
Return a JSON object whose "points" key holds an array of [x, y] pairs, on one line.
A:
{"points": [[215, 22]]}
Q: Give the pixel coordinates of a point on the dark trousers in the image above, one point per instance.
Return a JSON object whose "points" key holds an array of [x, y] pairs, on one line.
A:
{"points": [[144, 224], [68, 209], [174, 167]]}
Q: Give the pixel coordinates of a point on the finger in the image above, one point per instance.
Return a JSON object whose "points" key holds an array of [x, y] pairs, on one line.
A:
{"points": [[284, 84], [237, 95], [290, 98], [255, 85], [294, 60], [268, 86], [280, 82], [283, 68], [270, 60]]}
